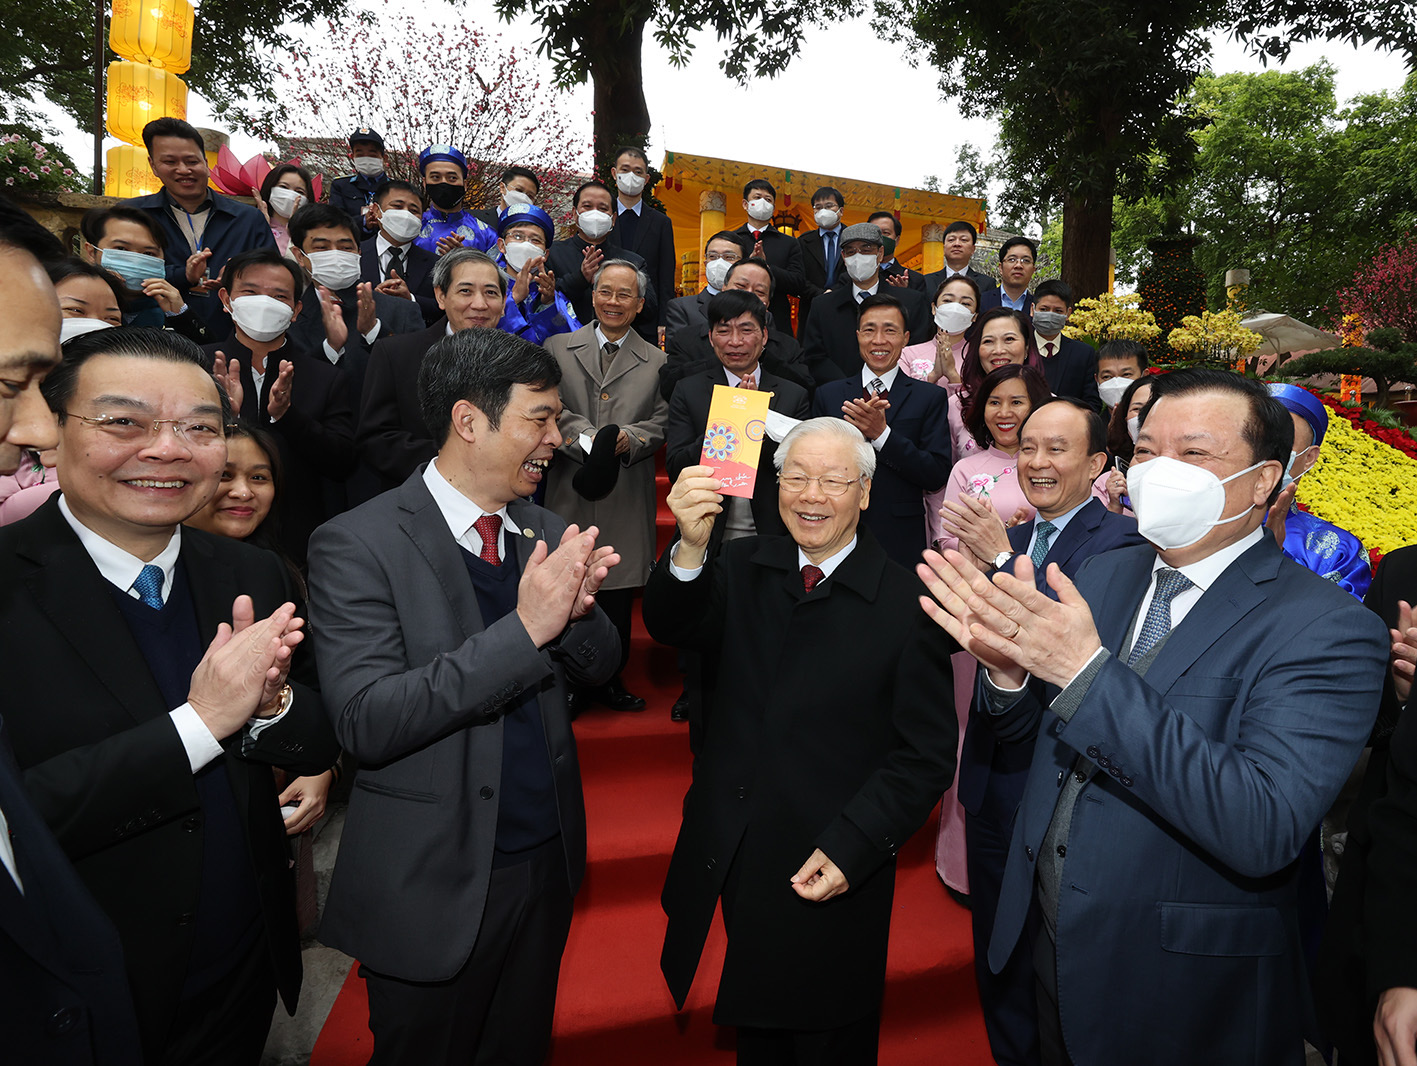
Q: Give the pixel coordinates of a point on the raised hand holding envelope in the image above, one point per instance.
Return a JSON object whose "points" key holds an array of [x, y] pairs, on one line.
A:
{"points": [[733, 437]]}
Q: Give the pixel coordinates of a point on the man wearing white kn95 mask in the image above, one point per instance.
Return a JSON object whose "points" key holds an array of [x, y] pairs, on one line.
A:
{"points": [[285, 388], [1195, 704], [339, 316], [390, 260]]}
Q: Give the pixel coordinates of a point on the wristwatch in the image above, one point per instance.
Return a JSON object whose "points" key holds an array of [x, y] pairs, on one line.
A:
{"points": [[1003, 557]]}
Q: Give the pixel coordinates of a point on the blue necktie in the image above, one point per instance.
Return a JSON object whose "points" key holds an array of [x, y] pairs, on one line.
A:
{"points": [[829, 248], [148, 586], [1169, 584], [1043, 533]]}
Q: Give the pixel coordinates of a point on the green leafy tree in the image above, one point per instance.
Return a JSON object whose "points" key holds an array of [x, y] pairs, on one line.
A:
{"points": [[1287, 185], [49, 53], [1386, 359], [600, 41], [1090, 94]]}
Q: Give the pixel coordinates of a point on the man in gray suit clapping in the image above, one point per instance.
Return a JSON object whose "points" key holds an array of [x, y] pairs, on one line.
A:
{"points": [[451, 613]]}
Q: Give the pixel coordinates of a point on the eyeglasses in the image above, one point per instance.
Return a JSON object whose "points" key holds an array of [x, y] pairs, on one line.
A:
{"points": [[130, 429], [620, 296], [729, 257], [1019, 260], [832, 486]]}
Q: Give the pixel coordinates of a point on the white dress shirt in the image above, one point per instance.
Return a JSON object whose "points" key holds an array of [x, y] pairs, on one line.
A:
{"points": [[1059, 524], [121, 569], [460, 513]]}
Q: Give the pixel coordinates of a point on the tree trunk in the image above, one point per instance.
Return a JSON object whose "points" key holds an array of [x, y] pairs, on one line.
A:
{"points": [[621, 114], [1087, 242]]}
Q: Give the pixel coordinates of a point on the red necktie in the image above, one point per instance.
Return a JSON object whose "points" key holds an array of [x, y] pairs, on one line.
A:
{"points": [[749, 381], [810, 576], [489, 528], [757, 235], [1049, 353]]}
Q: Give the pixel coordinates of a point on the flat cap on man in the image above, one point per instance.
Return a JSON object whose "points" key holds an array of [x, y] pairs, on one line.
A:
{"points": [[863, 231]]}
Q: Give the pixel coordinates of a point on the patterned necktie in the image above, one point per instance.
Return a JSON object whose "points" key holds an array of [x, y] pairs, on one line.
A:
{"points": [[749, 381], [1049, 353], [148, 586], [607, 356], [876, 388], [810, 576], [1043, 535], [1169, 584], [489, 528], [395, 263]]}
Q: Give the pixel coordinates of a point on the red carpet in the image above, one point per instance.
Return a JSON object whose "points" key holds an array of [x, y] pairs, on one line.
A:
{"points": [[613, 1006]]}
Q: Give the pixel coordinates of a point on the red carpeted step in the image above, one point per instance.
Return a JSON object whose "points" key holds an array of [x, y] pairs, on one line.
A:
{"points": [[613, 1006]]}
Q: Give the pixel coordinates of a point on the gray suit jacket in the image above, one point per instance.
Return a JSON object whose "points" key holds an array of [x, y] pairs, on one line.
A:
{"points": [[418, 687]]}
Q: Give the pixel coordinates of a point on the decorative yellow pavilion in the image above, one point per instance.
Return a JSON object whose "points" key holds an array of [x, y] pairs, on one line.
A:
{"points": [[704, 195]]}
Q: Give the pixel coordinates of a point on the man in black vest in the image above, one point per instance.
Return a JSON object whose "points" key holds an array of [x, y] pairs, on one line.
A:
{"points": [[145, 727]]}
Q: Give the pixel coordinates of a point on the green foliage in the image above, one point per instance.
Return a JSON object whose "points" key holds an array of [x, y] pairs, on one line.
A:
{"points": [[52, 56], [1287, 185], [1384, 365]]}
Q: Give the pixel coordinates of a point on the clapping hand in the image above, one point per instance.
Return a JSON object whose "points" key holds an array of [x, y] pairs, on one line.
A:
{"points": [[228, 375], [556, 583], [1404, 650]]}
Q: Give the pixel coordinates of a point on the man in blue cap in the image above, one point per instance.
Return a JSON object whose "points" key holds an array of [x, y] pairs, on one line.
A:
{"points": [[447, 224], [353, 193], [1320, 546], [535, 310]]}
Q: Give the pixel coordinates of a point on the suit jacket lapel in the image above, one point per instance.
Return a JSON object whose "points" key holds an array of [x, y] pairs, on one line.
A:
{"points": [[1121, 596], [587, 352], [212, 581], [423, 523], [1077, 532], [1222, 607], [630, 355], [75, 597]]}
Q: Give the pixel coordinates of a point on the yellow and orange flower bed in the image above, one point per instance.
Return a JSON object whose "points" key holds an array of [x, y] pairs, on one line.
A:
{"points": [[1364, 486]]}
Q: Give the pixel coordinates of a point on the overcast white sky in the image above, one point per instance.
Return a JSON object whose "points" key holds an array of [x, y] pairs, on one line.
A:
{"points": [[697, 110]]}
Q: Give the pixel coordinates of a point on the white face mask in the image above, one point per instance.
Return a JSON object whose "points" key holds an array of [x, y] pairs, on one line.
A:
{"points": [[1289, 476], [69, 328], [1112, 390], [400, 225], [594, 224], [630, 184], [760, 210], [262, 318], [1178, 503], [860, 267], [369, 166], [1134, 427], [953, 317], [826, 218], [515, 197], [285, 202], [519, 253], [717, 272], [334, 269]]}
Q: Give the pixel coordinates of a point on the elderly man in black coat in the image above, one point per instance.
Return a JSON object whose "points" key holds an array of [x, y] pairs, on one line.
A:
{"points": [[828, 739]]}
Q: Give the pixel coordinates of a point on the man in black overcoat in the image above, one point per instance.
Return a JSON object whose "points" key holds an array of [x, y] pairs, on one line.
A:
{"points": [[828, 739]]}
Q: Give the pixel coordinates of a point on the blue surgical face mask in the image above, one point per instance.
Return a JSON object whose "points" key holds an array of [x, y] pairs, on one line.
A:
{"points": [[133, 267]]}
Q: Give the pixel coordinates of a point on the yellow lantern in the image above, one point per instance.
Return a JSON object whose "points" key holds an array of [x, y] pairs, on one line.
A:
{"points": [[137, 94], [156, 32], [126, 173]]}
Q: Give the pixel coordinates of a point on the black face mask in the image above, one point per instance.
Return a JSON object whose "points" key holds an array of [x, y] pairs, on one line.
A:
{"points": [[445, 196]]}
